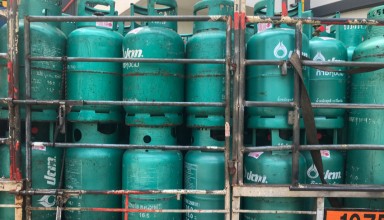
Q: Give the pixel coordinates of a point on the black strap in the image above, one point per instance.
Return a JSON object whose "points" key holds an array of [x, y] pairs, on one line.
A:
{"points": [[309, 123]]}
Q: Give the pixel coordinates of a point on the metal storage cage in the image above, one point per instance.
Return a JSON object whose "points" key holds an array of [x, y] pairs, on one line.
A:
{"points": [[233, 167]]}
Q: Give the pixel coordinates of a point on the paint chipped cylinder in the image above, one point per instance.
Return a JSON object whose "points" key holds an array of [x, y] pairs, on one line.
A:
{"points": [[198, 169], [93, 169], [206, 82], [152, 170], [160, 82], [95, 80], [365, 125]]}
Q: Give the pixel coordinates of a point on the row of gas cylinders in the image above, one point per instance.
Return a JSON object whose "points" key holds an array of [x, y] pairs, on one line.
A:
{"points": [[129, 81], [151, 169], [116, 169]]}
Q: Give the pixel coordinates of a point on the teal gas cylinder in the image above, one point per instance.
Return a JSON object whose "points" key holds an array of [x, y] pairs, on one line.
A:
{"points": [[272, 168], [162, 82], [333, 163], [204, 171], [352, 36], [46, 168], [206, 82], [327, 49], [46, 76], [152, 170], [93, 169], [266, 83], [365, 126], [95, 80]]}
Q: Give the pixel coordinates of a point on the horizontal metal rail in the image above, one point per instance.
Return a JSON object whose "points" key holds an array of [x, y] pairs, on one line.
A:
{"points": [[126, 146], [4, 140], [317, 63], [276, 212], [314, 147], [33, 192], [343, 191], [118, 103], [10, 206], [3, 56], [122, 60], [131, 210], [316, 105], [313, 20], [124, 18]]}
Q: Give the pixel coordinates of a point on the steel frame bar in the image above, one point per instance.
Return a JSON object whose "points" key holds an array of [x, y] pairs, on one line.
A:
{"points": [[129, 146]]}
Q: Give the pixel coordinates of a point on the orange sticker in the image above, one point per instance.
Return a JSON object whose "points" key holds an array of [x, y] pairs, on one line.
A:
{"points": [[353, 214]]}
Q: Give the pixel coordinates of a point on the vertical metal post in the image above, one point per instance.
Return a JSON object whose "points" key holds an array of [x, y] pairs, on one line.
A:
{"points": [[28, 154], [296, 113], [13, 91], [241, 95], [235, 112], [320, 208], [227, 117]]}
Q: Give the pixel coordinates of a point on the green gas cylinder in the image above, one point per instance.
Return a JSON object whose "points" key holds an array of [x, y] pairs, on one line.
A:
{"points": [[266, 82], [162, 82], [333, 163], [46, 76], [93, 169], [206, 82], [272, 168], [95, 80], [327, 49], [204, 171], [46, 168], [152, 170], [365, 126]]}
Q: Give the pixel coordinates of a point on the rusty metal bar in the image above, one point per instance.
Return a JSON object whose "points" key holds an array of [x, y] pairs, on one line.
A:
{"points": [[134, 210], [317, 105], [28, 149], [127, 146], [227, 197], [7, 185], [313, 20], [122, 60], [118, 192], [120, 103], [241, 90]]}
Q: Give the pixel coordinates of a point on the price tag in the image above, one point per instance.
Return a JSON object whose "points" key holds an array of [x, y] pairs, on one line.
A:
{"points": [[353, 214]]}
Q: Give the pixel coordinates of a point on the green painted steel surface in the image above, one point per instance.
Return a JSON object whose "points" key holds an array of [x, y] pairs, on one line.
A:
{"points": [[68, 26], [205, 171], [46, 167], [365, 126], [327, 87], [206, 82], [40, 8], [95, 8], [266, 83], [351, 36], [152, 170], [375, 13], [94, 80], [93, 169], [153, 81], [46, 76], [272, 168]]}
